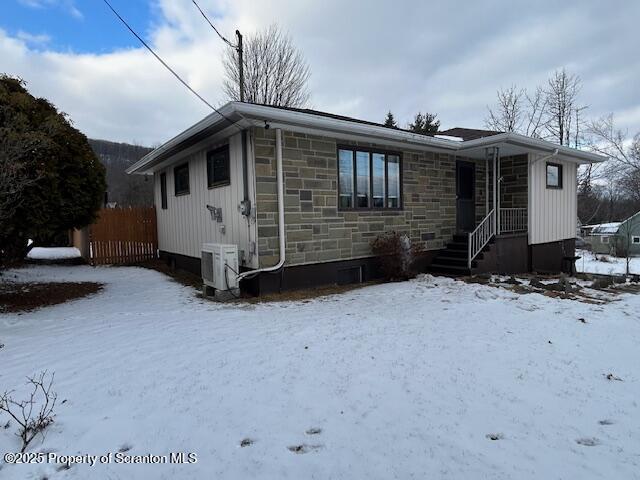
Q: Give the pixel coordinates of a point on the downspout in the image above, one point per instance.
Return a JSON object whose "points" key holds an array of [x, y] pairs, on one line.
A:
{"points": [[551, 155], [281, 226]]}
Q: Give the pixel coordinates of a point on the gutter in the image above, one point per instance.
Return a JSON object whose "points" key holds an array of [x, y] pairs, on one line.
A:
{"points": [[535, 143], [281, 226]]}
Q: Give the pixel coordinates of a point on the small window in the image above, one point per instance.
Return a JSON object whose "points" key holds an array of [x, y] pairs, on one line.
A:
{"points": [[604, 239], [635, 240], [181, 179], [554, 175], [218, 171], [163, 190]]}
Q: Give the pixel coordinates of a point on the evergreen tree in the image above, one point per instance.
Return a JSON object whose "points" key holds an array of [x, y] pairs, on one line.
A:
{"points": [[64, 181], [390, 120], [425, 123]]}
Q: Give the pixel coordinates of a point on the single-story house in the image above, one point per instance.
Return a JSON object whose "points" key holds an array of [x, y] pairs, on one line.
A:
{"points": [[617, 238], [302, 193]]}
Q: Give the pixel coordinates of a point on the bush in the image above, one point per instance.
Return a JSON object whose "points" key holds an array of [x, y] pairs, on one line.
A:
{"points": [[61, 181], [396, 255]]}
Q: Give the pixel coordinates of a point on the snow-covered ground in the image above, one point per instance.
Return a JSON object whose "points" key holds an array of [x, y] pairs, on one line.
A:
{"points": [[401, 380], [53, 253], [590, 263]]}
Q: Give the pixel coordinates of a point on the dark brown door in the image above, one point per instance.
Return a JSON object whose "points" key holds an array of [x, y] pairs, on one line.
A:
{"points": [[465, 196]]}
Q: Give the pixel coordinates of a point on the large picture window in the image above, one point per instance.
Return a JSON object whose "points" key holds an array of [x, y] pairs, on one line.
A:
{"points": [[554, 175], [181, 179], [218, 172], [368, 179]]}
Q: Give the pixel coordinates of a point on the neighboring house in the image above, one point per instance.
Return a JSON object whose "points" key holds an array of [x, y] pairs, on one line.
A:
{"points": [[602, 237], [617, 238], [339, 182]]}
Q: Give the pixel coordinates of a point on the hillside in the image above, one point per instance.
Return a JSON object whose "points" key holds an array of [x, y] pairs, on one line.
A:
{"points": [[125, 190]]}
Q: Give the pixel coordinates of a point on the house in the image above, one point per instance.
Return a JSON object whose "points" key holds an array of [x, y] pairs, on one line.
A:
{"points": [[302, 193], [617, 238]]}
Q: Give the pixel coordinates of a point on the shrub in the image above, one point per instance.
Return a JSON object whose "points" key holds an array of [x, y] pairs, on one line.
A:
{"points": [[34, 414], [396, 255]]}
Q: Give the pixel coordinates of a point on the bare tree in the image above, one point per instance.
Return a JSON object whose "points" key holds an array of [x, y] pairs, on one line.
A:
{"points": [[519, 111], [507, 116], [35, 414], [276, 72], [536, 113], [562, 96]]}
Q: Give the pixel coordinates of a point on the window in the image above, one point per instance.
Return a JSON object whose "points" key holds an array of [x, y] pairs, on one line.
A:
{"points": [[379, 180], [163, 190], [362, 179], [635, 240], [181, 179], [345, 179], [218, 172], [554, 175], [604, 239], [368, 179]]}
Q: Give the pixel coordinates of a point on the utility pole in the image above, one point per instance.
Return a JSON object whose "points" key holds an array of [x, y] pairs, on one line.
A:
{"points": [[240, 64]]}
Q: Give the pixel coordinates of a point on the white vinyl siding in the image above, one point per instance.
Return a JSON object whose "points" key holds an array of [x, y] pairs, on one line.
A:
{"points": [[553, 212], [186, 223]]}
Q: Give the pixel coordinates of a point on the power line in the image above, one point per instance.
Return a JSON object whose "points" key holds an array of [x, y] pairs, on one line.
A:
{"points": [[238, 48], [165, 63], [213, 26]]}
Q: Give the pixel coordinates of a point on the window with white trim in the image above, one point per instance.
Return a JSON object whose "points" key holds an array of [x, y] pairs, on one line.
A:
{"points": [[604, 239], [635, 240]]}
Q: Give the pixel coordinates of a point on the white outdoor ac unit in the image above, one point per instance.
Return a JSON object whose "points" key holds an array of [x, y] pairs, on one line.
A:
{"points": [[216, 258]]}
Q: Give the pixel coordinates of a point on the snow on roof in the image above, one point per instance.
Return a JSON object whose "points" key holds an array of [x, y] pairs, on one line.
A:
{"points": [[606, 228], [449, 137]]}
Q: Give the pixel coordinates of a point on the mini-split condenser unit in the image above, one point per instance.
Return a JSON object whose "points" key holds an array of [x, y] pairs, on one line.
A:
{"points": [[220, 266]]}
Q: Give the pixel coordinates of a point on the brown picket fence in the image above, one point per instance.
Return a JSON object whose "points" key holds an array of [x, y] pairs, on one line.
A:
{"points": [[123, 236]]}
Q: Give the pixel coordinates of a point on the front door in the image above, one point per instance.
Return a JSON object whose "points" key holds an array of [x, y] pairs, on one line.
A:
{"points": [[465, 196]]}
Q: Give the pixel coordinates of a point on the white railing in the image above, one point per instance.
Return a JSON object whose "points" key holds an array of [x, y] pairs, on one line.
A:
{"points": [[481, 236], [513, 220]]}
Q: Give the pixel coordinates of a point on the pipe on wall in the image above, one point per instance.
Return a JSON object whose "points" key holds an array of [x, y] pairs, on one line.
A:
{"points": [[281, 226]]}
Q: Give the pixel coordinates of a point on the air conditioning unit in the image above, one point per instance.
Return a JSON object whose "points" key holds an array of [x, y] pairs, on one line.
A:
{"points": [[216, 258]]}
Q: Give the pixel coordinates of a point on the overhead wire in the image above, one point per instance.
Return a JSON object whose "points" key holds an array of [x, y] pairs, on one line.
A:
{"points": [[175, 74]]}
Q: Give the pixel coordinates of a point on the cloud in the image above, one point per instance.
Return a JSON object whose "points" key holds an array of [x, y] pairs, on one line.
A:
{"points": [[33, 40], [67, 5], [366, 57]]}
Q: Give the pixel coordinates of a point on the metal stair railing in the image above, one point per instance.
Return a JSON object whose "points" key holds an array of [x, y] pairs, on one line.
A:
{"points": [[483, 233]]}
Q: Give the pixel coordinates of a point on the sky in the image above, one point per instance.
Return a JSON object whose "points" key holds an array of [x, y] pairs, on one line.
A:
{"points": [[366, 57]]}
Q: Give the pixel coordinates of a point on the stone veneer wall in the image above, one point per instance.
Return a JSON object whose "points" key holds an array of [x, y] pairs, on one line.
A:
{"points": [[514, 186], [316, 231]]}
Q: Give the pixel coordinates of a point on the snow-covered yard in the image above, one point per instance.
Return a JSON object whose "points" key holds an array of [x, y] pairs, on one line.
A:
{"points": [[591, 263], [53, 253], [402, 380]]}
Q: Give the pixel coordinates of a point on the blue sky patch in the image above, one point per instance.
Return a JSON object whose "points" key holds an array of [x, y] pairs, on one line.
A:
{"points": [[81, 27]]}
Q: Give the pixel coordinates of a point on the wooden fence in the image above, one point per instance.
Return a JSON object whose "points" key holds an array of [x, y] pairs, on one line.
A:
{"points": [[121, 236]]}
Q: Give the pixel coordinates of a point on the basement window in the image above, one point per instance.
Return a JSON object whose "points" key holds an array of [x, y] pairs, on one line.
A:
{"points": [[369, 179], [181, 179], [554, 175], [218, 171], [163, 190], [635, 240]]}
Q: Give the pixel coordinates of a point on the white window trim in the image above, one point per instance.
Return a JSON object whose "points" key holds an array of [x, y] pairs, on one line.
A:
{"points": [[604, 239], [635, 240]]}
